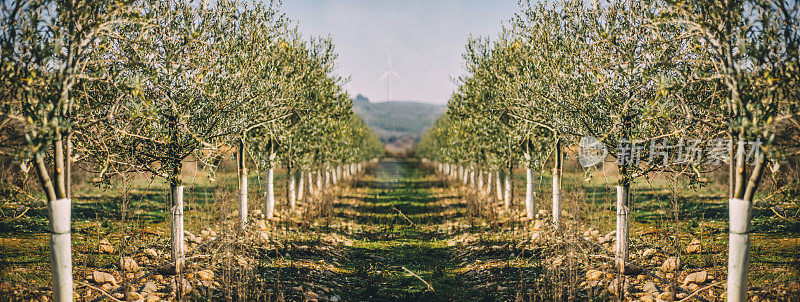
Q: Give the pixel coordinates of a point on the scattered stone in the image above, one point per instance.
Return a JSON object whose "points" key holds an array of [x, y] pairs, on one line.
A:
{"points": [[671, 264], [648, 253], [149, 287], [103, 277], [612, 287], [205, 275], [538, 225], [594, 274], [187, 287], [204, 233], [151, 253], [261, 225], [107, 287], [133, 296], [694, 247], [647, 298], [152, 298], [105, 247], [667, 296], [650, 287], [127, 264], [191, 238], [335, 298], [692, 287], [696, 277]]}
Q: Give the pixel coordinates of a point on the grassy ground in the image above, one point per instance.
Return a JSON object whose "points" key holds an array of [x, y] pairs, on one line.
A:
{"points": [[401, 233]]}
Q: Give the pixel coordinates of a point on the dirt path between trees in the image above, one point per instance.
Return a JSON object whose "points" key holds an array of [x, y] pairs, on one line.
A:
{"points": [[398, 251]]}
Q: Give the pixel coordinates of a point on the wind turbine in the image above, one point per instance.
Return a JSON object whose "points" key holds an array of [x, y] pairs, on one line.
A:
{"points": [[387, 75]]}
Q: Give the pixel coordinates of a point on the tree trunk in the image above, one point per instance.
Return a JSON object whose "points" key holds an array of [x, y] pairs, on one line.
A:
{"points": [[61, 248], [58, 163], [557, 187], [731, 165], [242, 188], [178, 250], [68, 164], [623, 212]]}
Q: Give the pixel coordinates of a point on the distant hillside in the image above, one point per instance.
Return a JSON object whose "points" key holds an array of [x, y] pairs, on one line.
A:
{"points": [[397, 121]]}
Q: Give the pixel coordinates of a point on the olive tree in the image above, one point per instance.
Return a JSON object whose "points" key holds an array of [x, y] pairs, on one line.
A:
{"points": [[45, 46], [752, 47]]}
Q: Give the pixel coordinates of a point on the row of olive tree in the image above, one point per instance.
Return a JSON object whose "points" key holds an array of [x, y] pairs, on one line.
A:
{"points": [[624, 72], [140, 86]]}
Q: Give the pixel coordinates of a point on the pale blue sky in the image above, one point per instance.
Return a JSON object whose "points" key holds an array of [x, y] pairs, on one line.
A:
{"points": [[426, 40]]}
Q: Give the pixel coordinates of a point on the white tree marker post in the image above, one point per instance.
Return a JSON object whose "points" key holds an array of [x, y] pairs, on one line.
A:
{"points": [[557, 198], [498, 185], [739, 212], [310, 183], [557, 187], [300, 185], [178, 250], [327, 182], [479, 183], [530, 202], [60, 212], [269, 204], [623, 212], [243, 199], [290, 190], [508, 188], [319, 181], [242, 188], [488, 188], [471, 176]]}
